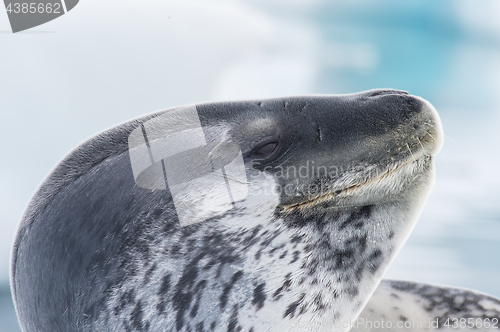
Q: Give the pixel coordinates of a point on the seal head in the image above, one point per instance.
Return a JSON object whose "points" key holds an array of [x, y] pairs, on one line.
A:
{"points": [[333, 185]]}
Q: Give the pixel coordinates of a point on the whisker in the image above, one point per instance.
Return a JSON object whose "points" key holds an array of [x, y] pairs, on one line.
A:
{"points": [[410, 152], [449, 138], [430, 125], [425, 153], [435, 140]]}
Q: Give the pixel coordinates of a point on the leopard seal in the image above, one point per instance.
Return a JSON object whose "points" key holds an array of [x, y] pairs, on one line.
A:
{"points": [[333, 186]]}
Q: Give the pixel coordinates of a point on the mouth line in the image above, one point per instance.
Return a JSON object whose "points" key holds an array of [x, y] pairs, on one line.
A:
{"points": [[330, 196]]}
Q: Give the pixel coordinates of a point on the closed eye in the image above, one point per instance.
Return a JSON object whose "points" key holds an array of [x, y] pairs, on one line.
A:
{"points": [[265, 150]]}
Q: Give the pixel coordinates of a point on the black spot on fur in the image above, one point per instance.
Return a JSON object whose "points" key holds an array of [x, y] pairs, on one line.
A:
{"points": [[149, 272], [296, 255], [297, 219], [269, 239], [352, 291], [251, 238], [227, 289], [344, 258], [198, 291], [290, 310], [284, 287], [356, 218], [394, 295], [175, 250], [233, 320], [273, 250], [259, 296], [181, 301], [165, 284], [125, 299], [137, 318], [359, 271], [163, 292], [375, 260]]}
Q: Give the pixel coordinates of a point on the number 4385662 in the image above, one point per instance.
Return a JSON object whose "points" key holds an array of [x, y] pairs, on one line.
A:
{"points": [[34, 7], [471, 323]]}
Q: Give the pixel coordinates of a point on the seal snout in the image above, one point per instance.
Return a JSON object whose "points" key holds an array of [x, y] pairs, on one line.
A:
{"points": [[432, 141], [422, 130]]}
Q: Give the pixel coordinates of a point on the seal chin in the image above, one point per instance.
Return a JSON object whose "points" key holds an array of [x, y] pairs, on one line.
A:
{"points": [[410, 174]]}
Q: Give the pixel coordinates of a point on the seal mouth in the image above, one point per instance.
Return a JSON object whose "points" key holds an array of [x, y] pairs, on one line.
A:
{"points": [[390, 177]]}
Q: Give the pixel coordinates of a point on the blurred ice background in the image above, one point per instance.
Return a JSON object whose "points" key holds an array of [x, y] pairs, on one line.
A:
{"points": [[108, 61]]}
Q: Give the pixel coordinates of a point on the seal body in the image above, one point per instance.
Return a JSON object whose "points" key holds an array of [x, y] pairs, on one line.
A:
{"points": [[410, 306], [334, 186]]}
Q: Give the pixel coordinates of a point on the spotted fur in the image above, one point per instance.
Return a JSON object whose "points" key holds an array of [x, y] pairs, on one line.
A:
{"points": [[409, 306]]}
